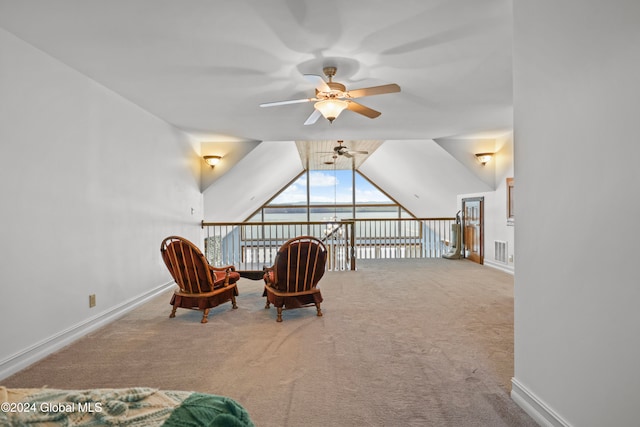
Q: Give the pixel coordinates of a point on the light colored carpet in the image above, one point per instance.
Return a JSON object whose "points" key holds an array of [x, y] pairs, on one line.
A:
{"points": [[424, 342]]}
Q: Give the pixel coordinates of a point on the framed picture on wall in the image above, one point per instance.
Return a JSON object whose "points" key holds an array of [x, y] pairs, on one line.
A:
{"points": [[510, 217]]}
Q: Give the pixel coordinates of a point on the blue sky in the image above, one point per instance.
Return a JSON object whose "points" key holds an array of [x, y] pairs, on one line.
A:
{"points": [[323, 189]]}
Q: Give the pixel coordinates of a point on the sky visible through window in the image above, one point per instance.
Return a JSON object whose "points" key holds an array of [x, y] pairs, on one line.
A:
{"points": [[330, 187]]}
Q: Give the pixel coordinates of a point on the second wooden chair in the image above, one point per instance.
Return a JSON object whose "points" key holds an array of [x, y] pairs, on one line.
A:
{"points": [[292, 280]]}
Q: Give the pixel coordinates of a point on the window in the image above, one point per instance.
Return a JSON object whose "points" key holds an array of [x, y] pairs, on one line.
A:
{"points": [[344, 194]]}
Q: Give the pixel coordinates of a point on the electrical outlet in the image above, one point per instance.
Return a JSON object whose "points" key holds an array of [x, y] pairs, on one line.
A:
{"points": [[92, 300]]}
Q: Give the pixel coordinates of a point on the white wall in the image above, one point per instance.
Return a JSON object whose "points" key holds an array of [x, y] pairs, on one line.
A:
{"points": [[422, 176], [464, 150], [232, 152], [577, 92], [255, 178], [90, 185], [495, 204]]}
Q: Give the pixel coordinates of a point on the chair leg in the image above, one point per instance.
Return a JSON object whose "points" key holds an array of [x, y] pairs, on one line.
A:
{"points": [[233, 302], [204, 316], [318, 309], [173, 312], [267, 305], [279, 319]]}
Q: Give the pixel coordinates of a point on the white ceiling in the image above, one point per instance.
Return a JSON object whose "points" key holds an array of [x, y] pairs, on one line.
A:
{"points": [[205, 66]]}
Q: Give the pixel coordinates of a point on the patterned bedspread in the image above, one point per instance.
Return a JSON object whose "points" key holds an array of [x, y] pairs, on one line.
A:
{"points": [[122, 407]]}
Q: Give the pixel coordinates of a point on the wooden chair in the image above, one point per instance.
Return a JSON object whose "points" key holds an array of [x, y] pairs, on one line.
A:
{"points": [[292, 280], [201, 286]]}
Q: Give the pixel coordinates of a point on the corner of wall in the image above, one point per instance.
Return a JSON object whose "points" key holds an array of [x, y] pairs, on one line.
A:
{"points": [[536, 408]]}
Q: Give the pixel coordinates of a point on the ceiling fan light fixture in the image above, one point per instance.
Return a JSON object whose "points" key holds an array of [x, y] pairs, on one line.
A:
{"points": [[331, 108]]}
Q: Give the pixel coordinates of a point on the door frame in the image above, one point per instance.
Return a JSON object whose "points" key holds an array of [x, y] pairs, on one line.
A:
{"points": [[481, 225]]}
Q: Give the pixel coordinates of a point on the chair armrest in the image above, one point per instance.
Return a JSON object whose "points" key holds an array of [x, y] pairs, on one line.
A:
{"points": [[269, 275]]}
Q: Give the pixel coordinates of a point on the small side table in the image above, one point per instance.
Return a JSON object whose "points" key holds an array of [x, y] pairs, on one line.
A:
{"points": [[251, 274]]}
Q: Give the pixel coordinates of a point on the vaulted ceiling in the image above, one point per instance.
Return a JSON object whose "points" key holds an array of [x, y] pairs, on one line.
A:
{"points": [[206, 66]]}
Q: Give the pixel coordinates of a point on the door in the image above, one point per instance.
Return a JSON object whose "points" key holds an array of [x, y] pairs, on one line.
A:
{"points": [[473, 226]]}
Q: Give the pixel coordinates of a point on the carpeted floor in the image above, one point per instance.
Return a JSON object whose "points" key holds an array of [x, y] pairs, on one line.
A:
{"points": [[424, 342]]}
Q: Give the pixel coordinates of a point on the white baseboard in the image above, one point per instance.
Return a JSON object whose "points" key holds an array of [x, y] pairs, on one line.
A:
{"points": [[32, 354], [535, 407], [497, 265]]}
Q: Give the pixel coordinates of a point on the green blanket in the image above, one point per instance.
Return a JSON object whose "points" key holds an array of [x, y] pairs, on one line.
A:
{"points": [[208, 410]]}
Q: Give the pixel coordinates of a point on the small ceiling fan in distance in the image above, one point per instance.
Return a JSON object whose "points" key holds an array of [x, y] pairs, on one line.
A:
{"points": [[332, 97], [341, 150]]}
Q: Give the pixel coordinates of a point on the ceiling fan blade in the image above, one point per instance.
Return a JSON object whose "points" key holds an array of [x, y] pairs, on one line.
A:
{"points": [[318, 82], [361, 109], [291, 101], [313, 117], [374, 90], [358, 152], [346, 154]]}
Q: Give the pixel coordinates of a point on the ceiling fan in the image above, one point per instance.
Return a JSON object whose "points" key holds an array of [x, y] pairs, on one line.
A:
{"points": [[341, 150], [332, 98]]}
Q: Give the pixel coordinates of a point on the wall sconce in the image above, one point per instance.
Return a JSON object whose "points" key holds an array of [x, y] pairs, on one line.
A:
{"points": [[212, 160], [483, 158], [331, 108]]}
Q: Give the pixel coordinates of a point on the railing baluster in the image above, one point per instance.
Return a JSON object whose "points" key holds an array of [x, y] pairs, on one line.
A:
{"points": [[253, 245]]}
